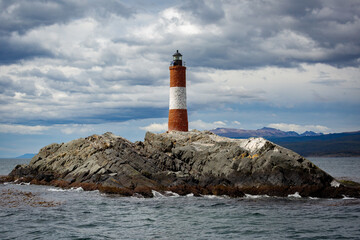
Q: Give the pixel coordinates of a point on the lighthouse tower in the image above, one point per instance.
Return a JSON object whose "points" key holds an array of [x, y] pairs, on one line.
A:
{"points": [[178, 120]]}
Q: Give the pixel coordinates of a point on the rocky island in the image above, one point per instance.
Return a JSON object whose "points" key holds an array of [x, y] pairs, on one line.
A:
{"points": [[194, 162]]}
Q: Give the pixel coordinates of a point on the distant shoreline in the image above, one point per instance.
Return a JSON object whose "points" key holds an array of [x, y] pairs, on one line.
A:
{"points": [[346, 144]]}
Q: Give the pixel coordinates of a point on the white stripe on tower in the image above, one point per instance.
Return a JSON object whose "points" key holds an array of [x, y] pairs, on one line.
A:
{"points": [[177, 98]]}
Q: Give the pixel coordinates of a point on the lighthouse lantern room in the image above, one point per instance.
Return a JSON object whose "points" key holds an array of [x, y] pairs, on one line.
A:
{"points": [[177, 59]]}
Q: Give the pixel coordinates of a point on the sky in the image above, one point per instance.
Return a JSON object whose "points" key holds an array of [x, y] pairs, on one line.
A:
{"points": [[70, 68]]}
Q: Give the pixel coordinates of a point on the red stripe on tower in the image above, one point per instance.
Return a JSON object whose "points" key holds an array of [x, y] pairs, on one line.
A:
{"points": [[178, 120]]}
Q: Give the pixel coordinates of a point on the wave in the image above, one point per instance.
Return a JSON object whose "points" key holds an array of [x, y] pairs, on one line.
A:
{"points": [[157, 194], [15, 183], [314, 198], [215, 196], [295, 195], [24, 183], [171, 194], [79, 189], [256, 196], [347, 198]]}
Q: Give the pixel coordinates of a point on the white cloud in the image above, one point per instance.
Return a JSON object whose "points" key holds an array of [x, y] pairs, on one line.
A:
{"points": [[156, 127], [198, 124], [22, 129], [221, 123], [76, 128], [236, 122], [201, 125], [299, 128]]}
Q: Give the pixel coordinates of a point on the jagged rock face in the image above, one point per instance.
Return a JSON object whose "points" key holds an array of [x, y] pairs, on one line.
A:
{"points": [[240, 162], [108, 159], [174, 158]]}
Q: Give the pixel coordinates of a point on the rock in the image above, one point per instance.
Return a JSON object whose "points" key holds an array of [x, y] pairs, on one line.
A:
{"points": [[202, 161], [251, 162]]}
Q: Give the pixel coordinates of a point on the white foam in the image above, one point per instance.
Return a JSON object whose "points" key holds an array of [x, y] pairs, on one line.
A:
{"points": [[347, 198], [56, 190], [23, 183], [190, 195], [79, 189], [313, 198], [156, 194], [295, 195], [215, 197], [256, 196], [171, 194]]}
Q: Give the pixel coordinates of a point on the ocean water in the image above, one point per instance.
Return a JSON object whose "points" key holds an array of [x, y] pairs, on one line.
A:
{"points": [[8, 164], [76, 214], [342, 168]]}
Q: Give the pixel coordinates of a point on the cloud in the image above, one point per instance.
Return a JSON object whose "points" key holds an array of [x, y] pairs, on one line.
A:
{"points": [[22, 15], [201, 125], [22, 129], [156, 127], [12, 50], [80, 129], [277, 38], [221, 123], [90, 62], [206, 12], [197, 124], [328, 82], [299, 128], [206, 30]]}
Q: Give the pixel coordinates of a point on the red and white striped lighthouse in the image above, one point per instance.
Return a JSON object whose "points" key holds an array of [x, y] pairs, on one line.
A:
{"points": [[178, 120]]}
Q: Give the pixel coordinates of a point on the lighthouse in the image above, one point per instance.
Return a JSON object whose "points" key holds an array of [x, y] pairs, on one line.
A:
{"points": [[178, 120]]}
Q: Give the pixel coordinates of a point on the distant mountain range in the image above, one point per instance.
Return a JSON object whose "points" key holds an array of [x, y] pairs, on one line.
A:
{"points": [[263, 132], [27, 155], [307, 144]]}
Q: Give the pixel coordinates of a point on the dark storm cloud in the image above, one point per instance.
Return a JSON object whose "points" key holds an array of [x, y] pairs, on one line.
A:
{"points": [[5, 84], [280, 33], [235, 34], [207, 12], [12, 51], [22, 15], [99, 61], [101, 116]]}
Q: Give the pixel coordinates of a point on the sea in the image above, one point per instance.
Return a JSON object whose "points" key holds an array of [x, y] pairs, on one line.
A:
{"points": [[45, 212]]}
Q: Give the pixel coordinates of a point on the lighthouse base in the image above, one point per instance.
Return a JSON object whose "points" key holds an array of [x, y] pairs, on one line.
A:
{"points": [[178, 120]]}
